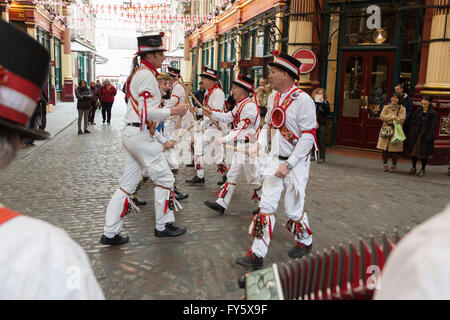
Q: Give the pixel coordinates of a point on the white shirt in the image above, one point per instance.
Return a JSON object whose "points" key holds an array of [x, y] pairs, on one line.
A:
{"points": [[419, 265], [40, 261], [142, 81], [300, 116], [247, 119], [177, 96], [216, 102]]}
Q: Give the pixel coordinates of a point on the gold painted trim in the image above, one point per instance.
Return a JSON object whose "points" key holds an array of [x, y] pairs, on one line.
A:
{"points": [[440, 93]]}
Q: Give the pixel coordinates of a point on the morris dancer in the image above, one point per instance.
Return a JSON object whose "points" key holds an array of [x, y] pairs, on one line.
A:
{"points": [[245, 117], [214, 100], [143, 147], [292, 132]]}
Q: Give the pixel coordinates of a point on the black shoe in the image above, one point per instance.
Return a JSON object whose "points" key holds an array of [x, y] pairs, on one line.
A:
{"points": [[116, 241], [145, 179], [224, 180], [412, 171], [421, 173], [104, 121], [196, 180], [215, 206], [170, 231], [251, 260], [299, 250], [313, 158], [80, 132], [139, 203], [87, 131], [256, 211], [180, 196]]}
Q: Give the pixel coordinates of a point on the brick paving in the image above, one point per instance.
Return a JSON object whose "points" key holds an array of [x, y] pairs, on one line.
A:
{"points": [[69, 180]]}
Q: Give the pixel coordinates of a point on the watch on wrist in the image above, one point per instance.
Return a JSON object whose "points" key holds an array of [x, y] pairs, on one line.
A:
{"points": [[288, 166]]}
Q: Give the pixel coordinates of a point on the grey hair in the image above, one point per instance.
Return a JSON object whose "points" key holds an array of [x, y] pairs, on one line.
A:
{"points": [[9, 145]]}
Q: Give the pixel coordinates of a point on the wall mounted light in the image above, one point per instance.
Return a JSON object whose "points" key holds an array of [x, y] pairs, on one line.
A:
{"points": [[379, 36]]}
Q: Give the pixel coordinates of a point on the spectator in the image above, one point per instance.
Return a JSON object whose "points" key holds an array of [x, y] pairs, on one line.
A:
{"points": [[420, 134], [391, 112], [407, 102], [319, 96], [84, 96], [261, 98], [199, 94], [42, 104], [107, 94], [95, 102], [33, 124], [98, 85], [262, 83]]}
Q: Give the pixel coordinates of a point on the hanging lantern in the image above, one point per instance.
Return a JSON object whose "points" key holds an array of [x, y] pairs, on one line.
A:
{"points": [[379, 36]]}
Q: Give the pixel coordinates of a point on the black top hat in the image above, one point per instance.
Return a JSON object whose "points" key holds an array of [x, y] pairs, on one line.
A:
{"points": [[286, 63], [152, 43], [209, 73], [173, 72], [24, 66], [244, 82]]}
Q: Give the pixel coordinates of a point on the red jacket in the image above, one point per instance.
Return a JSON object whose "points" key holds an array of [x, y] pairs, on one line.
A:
{"points": [[107, 95]]}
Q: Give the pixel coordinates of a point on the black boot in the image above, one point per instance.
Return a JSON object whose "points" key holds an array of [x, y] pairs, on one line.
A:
{"points": [[224, 179], [251, 260], [215, 206], [180, 196], [139, 203], [116, 241], [170, 231], [299, 250], [196, 180]]}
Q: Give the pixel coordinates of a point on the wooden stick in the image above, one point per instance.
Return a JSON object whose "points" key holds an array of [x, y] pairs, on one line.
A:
{"points": [[190, 93]]}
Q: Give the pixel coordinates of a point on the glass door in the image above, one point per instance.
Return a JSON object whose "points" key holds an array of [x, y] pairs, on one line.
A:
{"points": [[366, 81]]}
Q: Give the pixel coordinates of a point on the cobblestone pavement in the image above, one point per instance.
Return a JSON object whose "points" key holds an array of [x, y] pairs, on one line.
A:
{"points": [[69, 180]]}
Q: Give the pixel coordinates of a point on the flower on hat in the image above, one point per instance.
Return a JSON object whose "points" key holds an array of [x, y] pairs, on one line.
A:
{"points": [[276, 53], [161, 34], [241, 76]]}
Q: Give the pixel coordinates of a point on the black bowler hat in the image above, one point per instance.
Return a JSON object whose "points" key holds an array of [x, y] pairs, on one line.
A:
{"points": [[173, 72], [24, 67], [286, 63], [209, 73], [244, 82], [152, 43]]}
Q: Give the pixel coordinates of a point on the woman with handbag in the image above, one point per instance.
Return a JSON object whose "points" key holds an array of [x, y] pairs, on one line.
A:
{"points": [[390, 113], [421, 129]]}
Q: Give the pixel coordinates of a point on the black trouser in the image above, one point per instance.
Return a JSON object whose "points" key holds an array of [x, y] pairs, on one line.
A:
{"points": [[393, 155], [321, 133], [106, 111], [92, 113], [424, 161]]}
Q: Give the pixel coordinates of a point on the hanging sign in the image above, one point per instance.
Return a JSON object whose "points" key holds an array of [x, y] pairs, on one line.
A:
{"points": [[307, 58]]}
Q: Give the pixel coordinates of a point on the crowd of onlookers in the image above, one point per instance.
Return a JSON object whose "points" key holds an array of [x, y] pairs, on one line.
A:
{"points": [[91, 98]]}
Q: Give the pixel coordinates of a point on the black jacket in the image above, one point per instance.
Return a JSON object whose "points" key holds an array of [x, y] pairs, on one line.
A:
{"points": [[322, 109], [84, 96], [422, 125]]}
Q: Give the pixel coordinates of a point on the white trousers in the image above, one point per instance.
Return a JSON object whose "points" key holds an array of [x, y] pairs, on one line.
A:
{"points": [[142, 152], [239, 163], [206, 151], [294, 200]]}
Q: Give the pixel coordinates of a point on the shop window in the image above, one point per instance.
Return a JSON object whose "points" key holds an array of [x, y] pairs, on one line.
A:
{"points": [[358, 33]]}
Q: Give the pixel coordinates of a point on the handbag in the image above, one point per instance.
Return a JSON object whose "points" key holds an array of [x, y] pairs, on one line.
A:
{"points": [[399, 135], [387, 130]]}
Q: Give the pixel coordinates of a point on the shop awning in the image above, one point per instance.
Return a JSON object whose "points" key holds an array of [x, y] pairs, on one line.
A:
{"points": [[78, 47]]}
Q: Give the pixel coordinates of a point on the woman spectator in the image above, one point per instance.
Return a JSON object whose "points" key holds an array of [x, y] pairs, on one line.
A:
{"points": [[420, 134], [94, 102], [319, 96], [84, 96], [107, 94], [390, 113]]}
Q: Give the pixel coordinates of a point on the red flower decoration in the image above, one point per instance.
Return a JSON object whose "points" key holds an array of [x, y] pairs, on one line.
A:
{"points": [[161, 34], [241, 76], [275, 53], [2, 75]]}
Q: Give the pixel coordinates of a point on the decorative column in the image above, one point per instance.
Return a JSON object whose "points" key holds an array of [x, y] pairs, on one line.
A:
{"points": [[301, 32], [67, 94], [437, 80]]}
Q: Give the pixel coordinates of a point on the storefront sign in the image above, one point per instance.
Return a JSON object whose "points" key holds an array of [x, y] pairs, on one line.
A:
{"points": [[245, 63], [307, 58], [225, 64], [255, 61], [17, 15]]}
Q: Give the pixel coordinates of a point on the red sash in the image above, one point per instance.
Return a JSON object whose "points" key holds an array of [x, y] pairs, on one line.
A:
{"points": [[7, 214]]}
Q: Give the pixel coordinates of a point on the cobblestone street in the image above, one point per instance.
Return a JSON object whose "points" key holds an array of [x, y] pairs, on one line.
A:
{"points": [[69, 180]]}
